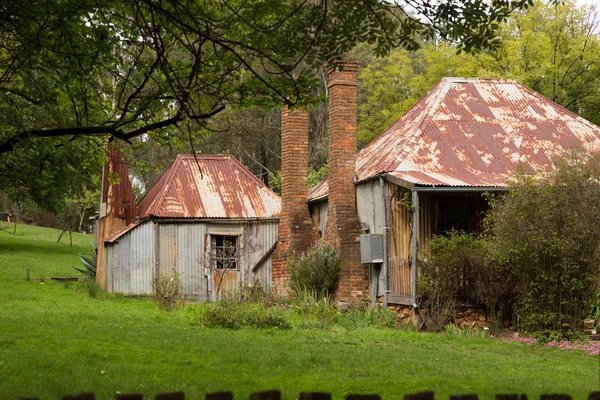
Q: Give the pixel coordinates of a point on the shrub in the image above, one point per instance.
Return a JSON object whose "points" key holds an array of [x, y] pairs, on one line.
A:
{"points": [[445, 275], [368, 317], [318, 271], [311, 311], [595, 310], [232, 315], [89, 261], [167, 291], [546, 233]]}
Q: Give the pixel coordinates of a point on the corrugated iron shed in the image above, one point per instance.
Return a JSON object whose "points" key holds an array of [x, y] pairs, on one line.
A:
{"points": [[473, 132], [221, 188]]}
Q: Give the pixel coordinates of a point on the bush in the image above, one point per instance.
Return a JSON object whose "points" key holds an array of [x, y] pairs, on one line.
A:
{"points": [[167, 291], [546, 233], [445, 275], [462, 267], [318, 272], [314, 312], [367, 318], [233, 315]]}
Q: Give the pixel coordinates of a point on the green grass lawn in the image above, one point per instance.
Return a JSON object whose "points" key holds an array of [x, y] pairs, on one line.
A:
{"points": [[55, 339]]}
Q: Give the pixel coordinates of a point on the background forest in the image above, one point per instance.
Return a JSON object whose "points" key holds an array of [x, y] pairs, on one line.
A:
{"points": [[552, 49]]}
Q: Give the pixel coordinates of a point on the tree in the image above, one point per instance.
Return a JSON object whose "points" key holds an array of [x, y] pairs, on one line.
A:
{"points": [[553, 49], [90, 68], [546, 233], [390, 85], [75, 71]]}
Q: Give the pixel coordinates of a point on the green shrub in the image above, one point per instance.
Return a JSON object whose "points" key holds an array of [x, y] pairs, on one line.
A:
{"points": [[232, 315], [89, 261], [595, 310], [446, 275], [167, 291], [317, 272], [311, 311], [546, 232], [369, 317]]}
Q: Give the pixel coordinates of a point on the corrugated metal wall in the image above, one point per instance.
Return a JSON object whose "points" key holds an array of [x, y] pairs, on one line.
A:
{"points": [[370, 206], [185, 247], [318, 213], [266, 234], [191, 258], [130, 262]]}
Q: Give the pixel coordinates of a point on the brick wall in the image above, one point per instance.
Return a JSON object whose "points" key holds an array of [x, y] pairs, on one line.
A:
{"points": [[343, 228], [296, 232]]}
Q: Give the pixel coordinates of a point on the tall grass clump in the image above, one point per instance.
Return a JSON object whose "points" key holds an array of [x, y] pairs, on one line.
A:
{"points": [[317, 271], [230, 314], [167, 291]]}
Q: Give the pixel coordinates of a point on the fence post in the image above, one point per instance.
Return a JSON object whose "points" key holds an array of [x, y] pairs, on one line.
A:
{"points": [[270, 395], [420, 396], [555, 397], [80, 396], [315, 396]]}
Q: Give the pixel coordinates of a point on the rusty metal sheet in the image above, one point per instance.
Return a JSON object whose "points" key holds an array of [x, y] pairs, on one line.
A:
{"points": [[473, 132], [117, 194], [319, 191], [223, 188]]}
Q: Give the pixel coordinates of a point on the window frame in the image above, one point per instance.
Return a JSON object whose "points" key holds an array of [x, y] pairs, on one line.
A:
{"points": [[215, 258]]}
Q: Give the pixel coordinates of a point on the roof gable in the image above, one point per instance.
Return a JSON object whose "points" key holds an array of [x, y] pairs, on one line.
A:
{"points": [[222, 188]]}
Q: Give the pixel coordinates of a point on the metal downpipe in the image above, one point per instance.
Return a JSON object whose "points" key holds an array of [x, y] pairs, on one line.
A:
{"points": [[386, 229], [415, 242]]}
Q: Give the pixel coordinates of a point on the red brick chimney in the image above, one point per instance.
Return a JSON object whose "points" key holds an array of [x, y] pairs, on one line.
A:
{"points": [[343, 229], [296, 232], [117, 204]]}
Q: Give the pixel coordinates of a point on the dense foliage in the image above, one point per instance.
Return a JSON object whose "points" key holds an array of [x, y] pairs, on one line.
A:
{"points": [[539, 256], [546, 231], [317, 271]]}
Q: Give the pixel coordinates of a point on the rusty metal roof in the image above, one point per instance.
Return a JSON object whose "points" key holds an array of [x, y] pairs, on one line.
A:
{"points": [[474, 132], [221, 188]]}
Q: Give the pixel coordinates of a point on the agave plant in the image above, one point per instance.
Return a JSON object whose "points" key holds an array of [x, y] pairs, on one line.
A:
{"points": [[89, 261]]}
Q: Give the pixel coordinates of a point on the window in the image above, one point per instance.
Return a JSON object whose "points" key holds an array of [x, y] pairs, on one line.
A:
{"points": [[451, 215], [224, 251]]}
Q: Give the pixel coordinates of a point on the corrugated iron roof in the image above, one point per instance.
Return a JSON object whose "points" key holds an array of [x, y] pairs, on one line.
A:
{"points": [[474, 132], [223, 188]]}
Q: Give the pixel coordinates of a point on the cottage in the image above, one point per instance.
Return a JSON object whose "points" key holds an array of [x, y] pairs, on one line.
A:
{"points": [[208, 219], [426, 173]]}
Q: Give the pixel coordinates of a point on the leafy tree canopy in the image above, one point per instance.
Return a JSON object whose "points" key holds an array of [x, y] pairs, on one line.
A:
{"points": [[75, 71], [126, 68]]}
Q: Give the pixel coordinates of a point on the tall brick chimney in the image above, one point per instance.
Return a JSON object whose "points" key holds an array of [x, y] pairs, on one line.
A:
{"points": [[343, 229], [117, 204], [296, 232]]}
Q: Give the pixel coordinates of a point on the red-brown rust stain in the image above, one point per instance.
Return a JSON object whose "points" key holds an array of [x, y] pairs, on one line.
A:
{"points": [[117, 196], [224, 189], [227, 280]]}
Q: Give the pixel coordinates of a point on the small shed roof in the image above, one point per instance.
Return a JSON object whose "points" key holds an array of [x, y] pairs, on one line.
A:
{"points": [[473, 132], [221, 188]]}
